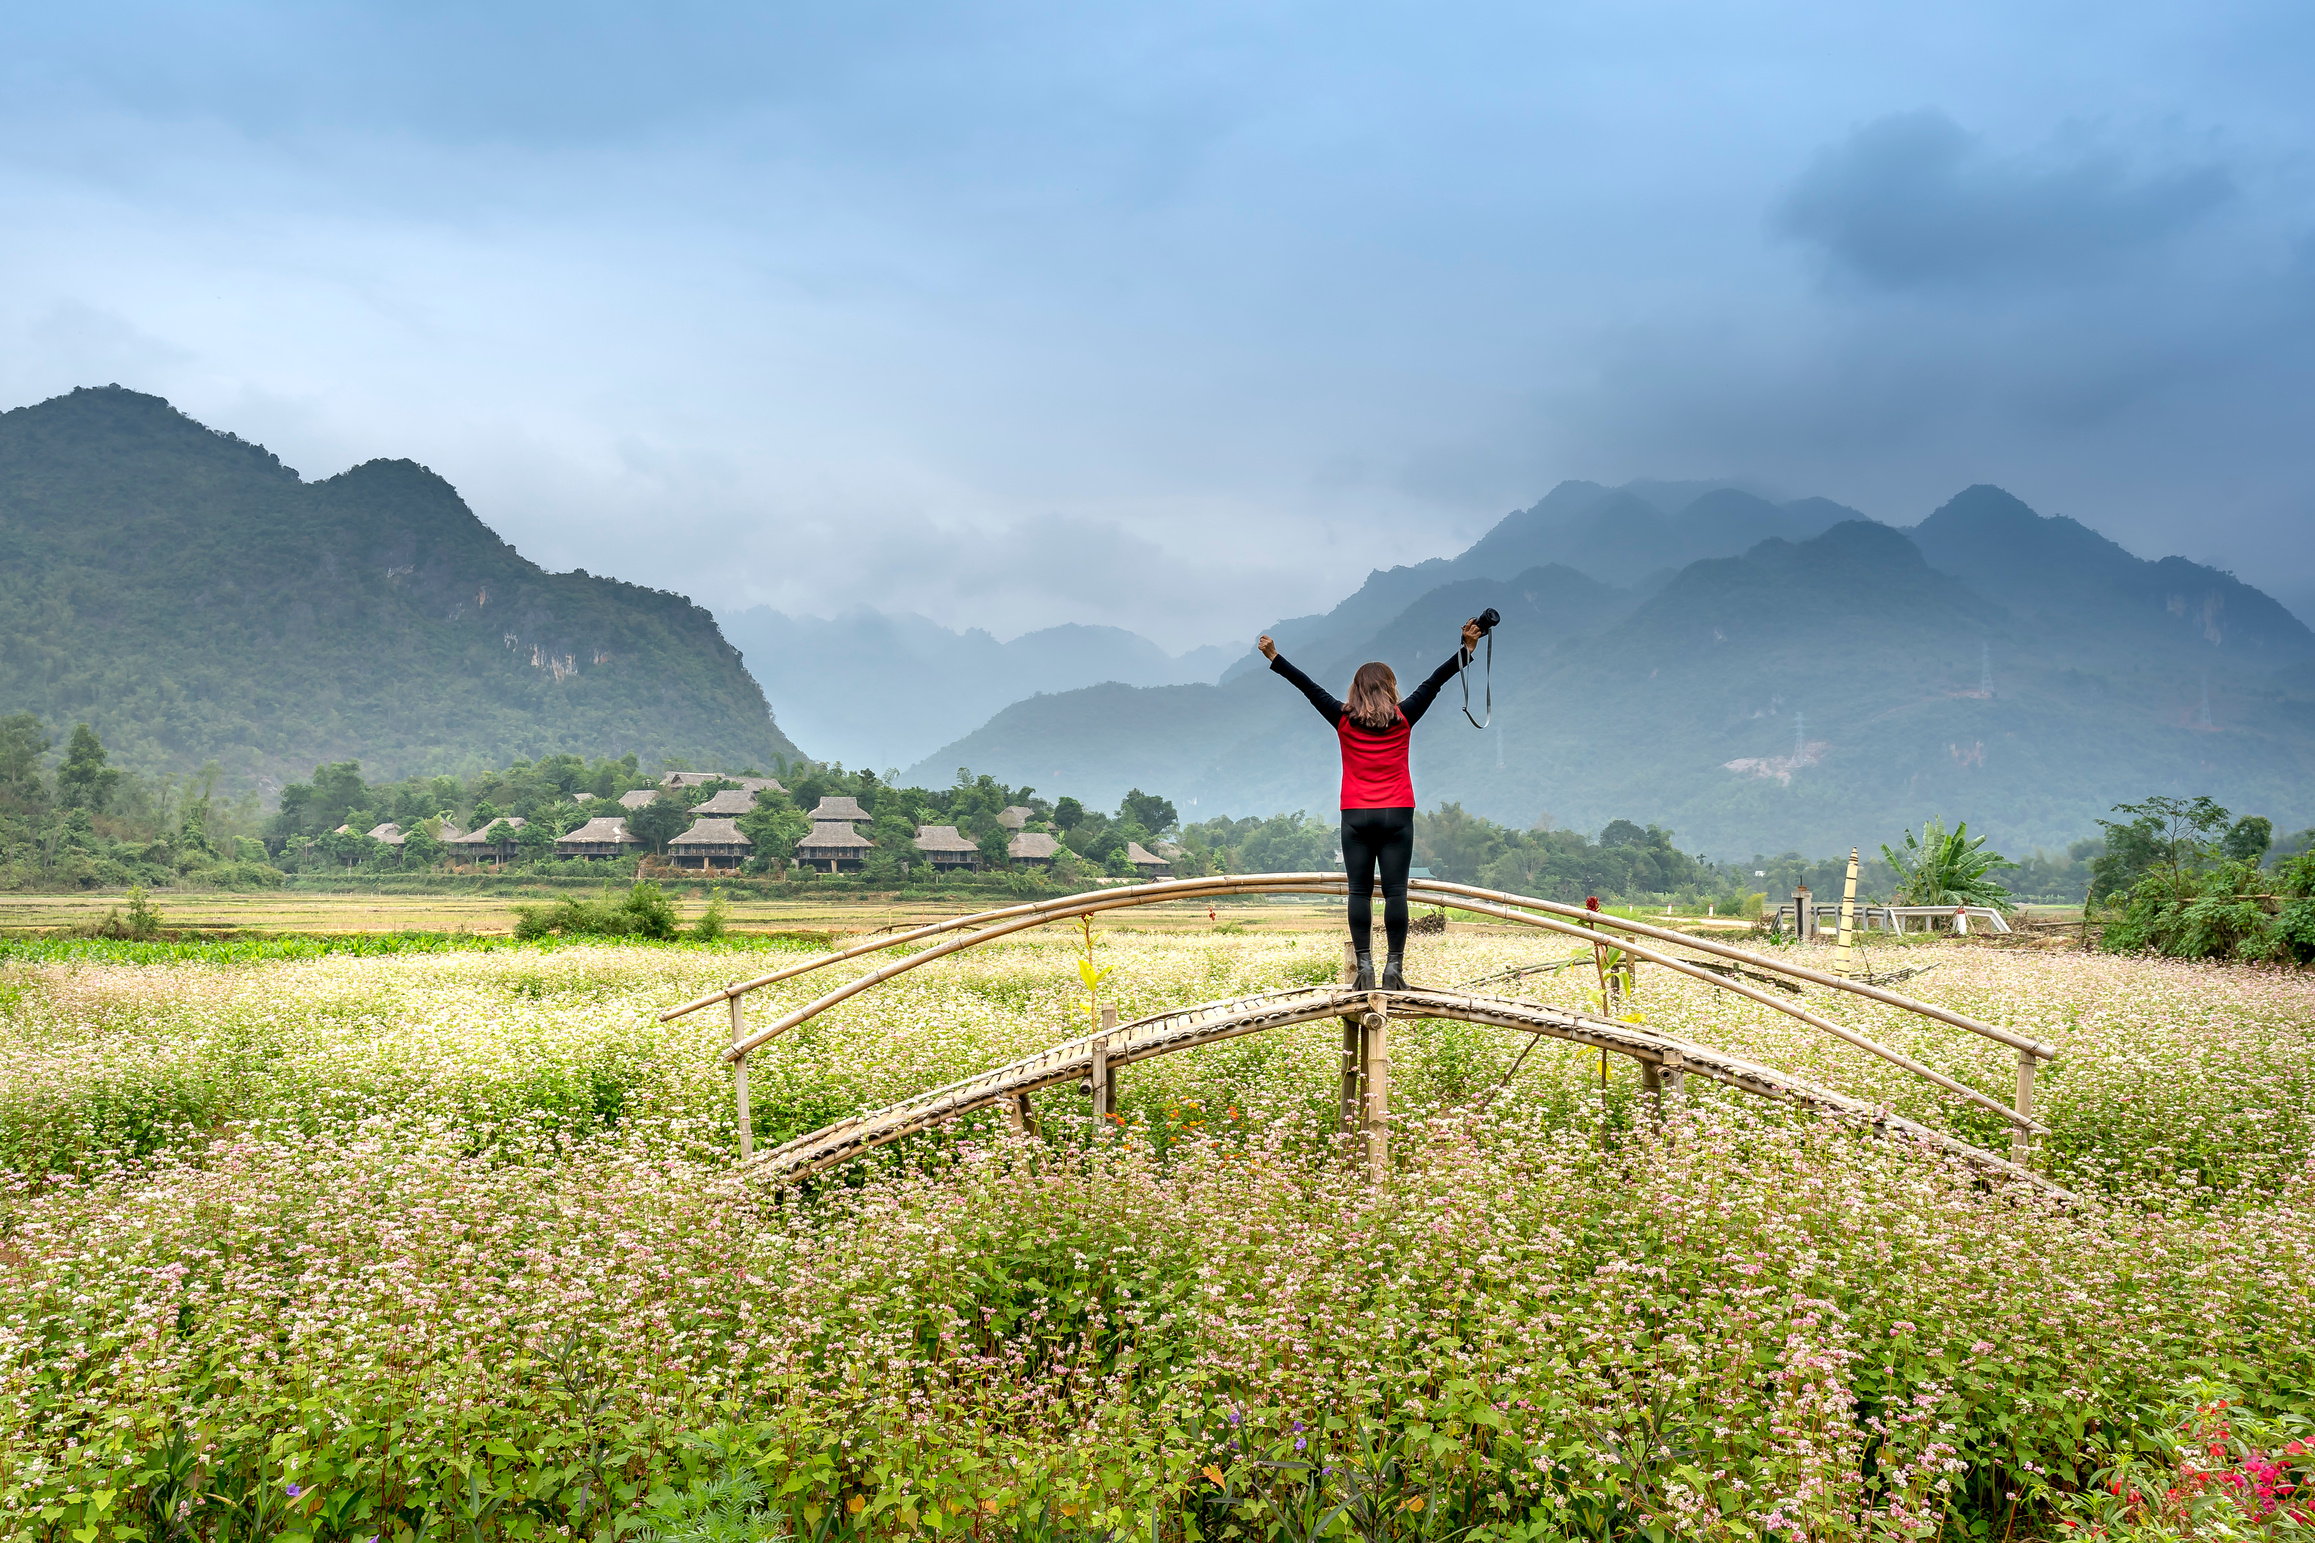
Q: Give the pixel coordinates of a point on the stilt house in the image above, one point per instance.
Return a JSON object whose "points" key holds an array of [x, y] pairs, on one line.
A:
{"points": [[710, 844], [947, 847]]}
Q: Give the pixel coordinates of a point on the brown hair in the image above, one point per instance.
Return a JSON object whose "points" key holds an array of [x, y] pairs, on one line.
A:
{"points": [[1374, 698]]}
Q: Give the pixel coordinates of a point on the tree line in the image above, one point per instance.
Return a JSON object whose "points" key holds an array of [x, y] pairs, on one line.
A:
{"points": [[90, 824], [2173, 875]]}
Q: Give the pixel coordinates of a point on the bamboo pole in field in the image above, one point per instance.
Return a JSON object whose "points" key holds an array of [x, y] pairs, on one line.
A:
{"points": [[1104, 1076], [739, 1079], [1377, 1043], [2022, 1133], [1607, 1009], [1844, 955], [1353, 1046]]}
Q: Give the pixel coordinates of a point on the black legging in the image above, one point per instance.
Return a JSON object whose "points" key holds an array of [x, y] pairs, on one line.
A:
{"points": [[1372, 838]]}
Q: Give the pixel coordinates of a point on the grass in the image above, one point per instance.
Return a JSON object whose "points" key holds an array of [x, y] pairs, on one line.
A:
{"points": [[364, 911], [436, 1241]]}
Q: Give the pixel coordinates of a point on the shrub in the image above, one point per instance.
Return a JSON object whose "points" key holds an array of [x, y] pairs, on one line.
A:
{"points": [[2230, 910], [643, 912], [710, 925]]}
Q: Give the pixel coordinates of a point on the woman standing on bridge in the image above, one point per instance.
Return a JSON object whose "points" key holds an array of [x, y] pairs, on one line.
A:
{"points": [[1378, 793]]}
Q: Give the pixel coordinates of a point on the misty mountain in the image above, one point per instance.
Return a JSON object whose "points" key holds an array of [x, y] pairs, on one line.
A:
{"points": [[875, 690], [194, 599], [2018, 671], [1637, 535], [2057, 569]]}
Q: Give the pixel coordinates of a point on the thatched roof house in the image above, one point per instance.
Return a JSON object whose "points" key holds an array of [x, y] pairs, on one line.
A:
{"points": [[834, 847], [389, 834], [1035, 847], [710, 843], [636, 798], [1146, 862], [602, 836], [947, 847], [845, 809], [750, 785], [727, 804], [1015, 817], [495, 840]]}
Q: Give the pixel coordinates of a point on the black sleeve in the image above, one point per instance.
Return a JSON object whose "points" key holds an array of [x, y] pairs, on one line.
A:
{"points": [[1420, 703], [1328, 707]]}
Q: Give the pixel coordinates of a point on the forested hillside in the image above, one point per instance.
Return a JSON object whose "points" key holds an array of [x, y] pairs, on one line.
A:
{"points": [[196, 600], [1991, 664]]}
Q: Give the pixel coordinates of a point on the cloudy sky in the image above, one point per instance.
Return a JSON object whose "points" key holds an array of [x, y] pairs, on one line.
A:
{"points": [[1183, 315]]}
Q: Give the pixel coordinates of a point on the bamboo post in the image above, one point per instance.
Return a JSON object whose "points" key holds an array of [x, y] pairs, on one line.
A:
{"points": [[1844, 960], [1607, 1010], [1353, 1047], [2022, 1137], [1378, 1089], [1672, 1078], [1104, 1081], [1017, 1115], [739, 1079]]}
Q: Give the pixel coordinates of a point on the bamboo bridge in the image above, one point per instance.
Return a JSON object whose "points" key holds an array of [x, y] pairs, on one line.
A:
{"points": [[1093, 1060]]}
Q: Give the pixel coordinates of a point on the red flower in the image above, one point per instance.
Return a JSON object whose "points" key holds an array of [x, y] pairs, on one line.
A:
{"points": [[1591, 902]]}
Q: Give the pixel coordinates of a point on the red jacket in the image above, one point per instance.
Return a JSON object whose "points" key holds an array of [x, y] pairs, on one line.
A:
{"points": [[1374, 766]]}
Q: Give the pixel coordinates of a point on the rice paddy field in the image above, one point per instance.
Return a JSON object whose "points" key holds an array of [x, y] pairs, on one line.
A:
{"points": [[443, 1245]]}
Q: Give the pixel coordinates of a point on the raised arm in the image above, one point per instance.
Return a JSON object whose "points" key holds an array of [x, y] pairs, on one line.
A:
{"points": [[1328, 707], [1420, 703]]}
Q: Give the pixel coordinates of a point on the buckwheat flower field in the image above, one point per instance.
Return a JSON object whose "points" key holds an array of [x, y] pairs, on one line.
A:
{"points": [[443, 1246]]}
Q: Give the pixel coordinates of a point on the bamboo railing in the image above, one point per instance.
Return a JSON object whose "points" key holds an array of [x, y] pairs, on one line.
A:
{"points": [[1524, 910]]}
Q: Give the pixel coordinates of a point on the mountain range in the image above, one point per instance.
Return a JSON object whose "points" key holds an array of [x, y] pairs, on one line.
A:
{"points": [[1755, 675], [195, 600]]}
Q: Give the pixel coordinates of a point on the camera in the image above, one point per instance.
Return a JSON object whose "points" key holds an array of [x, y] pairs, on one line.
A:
{"points": [[1487, 619]]}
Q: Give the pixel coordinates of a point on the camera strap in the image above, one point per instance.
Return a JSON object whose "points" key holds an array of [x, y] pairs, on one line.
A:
{"points": [[1487, 686]]}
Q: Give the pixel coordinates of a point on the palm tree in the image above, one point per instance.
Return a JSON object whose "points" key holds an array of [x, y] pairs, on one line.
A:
{"points": [[1947, 868]]}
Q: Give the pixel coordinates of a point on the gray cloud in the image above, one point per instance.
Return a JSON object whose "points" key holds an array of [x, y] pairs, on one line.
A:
{"points": [[1914, 199], [1179, 316]]}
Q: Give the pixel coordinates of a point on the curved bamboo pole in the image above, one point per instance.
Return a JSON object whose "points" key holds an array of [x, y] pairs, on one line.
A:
{"points": [[1440, 890], [1152, 893], [1118, 899], [1085, 906], [1698, 972], [2037, 1048]]}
